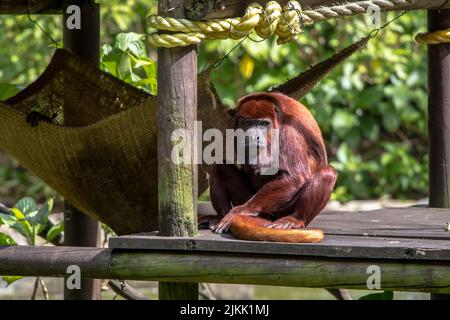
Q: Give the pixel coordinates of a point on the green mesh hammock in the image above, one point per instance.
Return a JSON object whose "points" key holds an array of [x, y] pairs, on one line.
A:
{"points": [[106, 164]]}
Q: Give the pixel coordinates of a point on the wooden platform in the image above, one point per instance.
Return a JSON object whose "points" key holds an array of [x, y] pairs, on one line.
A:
{"points": [[410, 247], [401, 234]]}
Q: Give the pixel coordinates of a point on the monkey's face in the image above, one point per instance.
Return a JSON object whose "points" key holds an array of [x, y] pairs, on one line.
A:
{"points": [[256, 132], [255, 122]]}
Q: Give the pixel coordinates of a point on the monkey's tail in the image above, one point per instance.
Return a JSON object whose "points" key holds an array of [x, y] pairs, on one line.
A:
{"points": [[254, 228]]}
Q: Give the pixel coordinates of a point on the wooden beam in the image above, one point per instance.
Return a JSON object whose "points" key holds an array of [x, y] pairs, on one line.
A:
{"points": [[80, 229], [209, 9], [439, 112], [53, 261], [32, 6], [257, 269], [439, 116], [177, 112]]}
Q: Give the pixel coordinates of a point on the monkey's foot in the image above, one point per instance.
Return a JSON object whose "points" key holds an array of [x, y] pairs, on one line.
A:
{"points": [[288, 222], [208, 221], [224, 225]]}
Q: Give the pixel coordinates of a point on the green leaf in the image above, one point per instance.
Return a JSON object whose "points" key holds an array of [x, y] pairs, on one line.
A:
{"points": [[18, 214], [131, 42], [26, 205], [8, 219], [11, 279], [41, 217], [7, 91], [124, 67], [369, 98], [110, 63], [370, 128], [391, 121], [343, 120], [55, 231], [344, 153], [6, 240], [386, 295], [18, 222]]}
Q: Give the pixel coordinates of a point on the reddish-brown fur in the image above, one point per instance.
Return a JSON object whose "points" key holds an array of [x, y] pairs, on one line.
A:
{"points": [[274, 207]]}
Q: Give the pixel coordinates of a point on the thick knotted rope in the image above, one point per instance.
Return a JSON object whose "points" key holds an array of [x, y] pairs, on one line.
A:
{"points": [[265, 21], [285, 22], [436, 37]]}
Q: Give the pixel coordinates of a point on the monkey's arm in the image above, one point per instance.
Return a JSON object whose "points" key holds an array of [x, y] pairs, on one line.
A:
{"points": [[273, 197], [305, 201]]}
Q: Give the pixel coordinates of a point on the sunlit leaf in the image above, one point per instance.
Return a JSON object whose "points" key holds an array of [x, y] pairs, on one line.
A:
{"points": [[246, 67], [11, 279], [6, 240], [55, 231], [131, 42], [26, 205]]}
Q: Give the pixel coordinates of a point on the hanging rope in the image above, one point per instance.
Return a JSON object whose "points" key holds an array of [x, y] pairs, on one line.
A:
{"points": [[285, 22], [436, 37]]}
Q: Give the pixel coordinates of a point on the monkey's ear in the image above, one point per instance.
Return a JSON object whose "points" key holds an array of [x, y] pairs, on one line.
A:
{"points": [[233, 112]]}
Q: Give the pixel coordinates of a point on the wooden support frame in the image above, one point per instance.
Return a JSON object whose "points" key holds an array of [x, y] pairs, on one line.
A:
{"points": [[80, 229], [225, 267], [197, 9], [211, 9], [177, 112], [439, 116], [31, 6]]}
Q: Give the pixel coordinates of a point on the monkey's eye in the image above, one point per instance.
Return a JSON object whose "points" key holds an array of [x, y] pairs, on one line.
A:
{"points": [[243, 122], [265, 123]]}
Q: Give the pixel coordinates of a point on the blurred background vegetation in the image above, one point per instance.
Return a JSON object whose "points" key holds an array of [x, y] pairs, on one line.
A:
{"points": [[372, 109]]}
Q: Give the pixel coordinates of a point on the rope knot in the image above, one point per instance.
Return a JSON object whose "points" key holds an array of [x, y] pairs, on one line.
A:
{"points": [[272, 19]]}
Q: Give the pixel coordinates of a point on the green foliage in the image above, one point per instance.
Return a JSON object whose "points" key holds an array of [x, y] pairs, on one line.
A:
{"points": [[127, 60], [6, 240], [54, 231], [28, 219], [10, 279], [385, 295]]}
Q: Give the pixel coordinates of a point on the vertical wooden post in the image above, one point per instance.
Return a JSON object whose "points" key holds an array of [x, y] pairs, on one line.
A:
{"points": [[177, 112], [439, 116], [79, 229]]}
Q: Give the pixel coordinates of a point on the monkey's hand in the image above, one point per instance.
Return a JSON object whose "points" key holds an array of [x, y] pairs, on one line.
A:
{"points": [[225, 224]]}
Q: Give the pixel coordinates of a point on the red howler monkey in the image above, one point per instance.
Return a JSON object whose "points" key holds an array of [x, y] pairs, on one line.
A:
{"points": [[274, 207]]}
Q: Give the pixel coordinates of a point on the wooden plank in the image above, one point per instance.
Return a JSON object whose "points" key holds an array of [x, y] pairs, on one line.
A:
{"points": [[332, 246], [236, 8], [177, 112], [395, 233], [34, 6], [79, 228], [420, 223], [236, 268], [411, 222]]}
